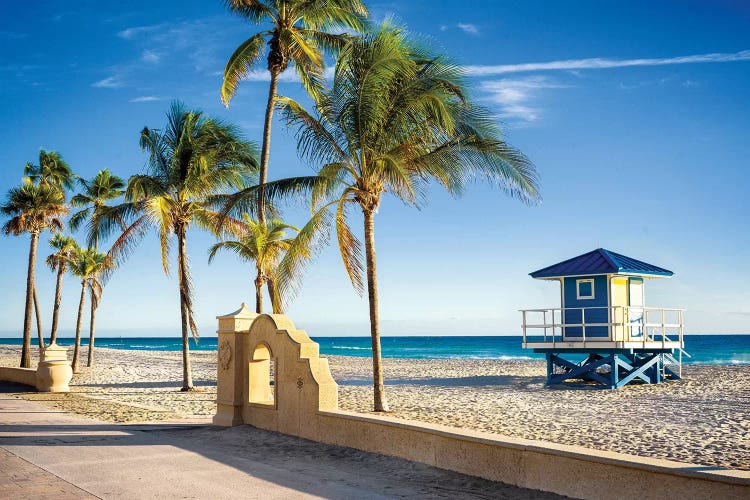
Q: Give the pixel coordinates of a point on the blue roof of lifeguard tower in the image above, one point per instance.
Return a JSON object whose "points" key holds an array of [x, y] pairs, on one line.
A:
{"points": [[600, 261]]}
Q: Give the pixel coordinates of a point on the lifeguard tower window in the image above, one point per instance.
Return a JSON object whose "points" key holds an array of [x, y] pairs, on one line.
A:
{"points": [[585, 289]]}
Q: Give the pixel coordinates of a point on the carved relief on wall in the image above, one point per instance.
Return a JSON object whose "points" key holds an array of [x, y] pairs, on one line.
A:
{"points": [[225, 354]]}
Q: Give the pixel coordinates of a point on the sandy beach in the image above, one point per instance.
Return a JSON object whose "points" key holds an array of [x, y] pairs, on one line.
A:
{"points": [[703, 419]]}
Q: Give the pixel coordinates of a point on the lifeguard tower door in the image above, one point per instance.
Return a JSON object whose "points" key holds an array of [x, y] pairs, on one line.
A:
{"points": [[635, 311], [619, 287]]}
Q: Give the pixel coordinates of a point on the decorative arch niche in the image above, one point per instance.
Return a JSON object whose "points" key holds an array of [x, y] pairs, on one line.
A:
{"points": [[261, 376]]}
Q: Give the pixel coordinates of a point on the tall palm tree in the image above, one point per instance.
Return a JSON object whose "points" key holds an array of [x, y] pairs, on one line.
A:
{"points": [[32, 208], [300, 30], [95, 195], [396, 117], [264, 245], [58, 261], [86, 264], [191, 159], [51, 170]]}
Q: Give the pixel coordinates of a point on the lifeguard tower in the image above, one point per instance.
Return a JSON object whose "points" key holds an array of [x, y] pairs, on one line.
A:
{"points": [[603, 318]]}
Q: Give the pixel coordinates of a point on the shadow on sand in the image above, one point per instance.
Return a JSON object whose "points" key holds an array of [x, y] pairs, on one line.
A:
{"points": [[475, 381]]}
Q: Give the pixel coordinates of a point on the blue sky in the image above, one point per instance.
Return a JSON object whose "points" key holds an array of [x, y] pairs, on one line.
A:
{"points": [[635, 113]]}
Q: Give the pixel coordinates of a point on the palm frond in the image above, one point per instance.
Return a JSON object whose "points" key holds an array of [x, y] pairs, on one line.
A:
{"points": [[126, 243], [240, 64], [300, 253], [254, 10], [349, 246]]}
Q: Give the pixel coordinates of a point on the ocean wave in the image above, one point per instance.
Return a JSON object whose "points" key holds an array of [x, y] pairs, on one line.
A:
{"points": [[516, 358], [351, 348], [718, 362]]}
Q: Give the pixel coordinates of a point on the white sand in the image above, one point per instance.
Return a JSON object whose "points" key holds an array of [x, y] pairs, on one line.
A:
{"points": [[703, 419]]}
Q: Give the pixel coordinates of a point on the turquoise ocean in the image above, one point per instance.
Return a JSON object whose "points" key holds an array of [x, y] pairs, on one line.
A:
{"points": [[704, 349]]}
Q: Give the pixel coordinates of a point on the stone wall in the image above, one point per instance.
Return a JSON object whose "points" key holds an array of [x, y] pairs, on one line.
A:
{"points": [[25, 376]]}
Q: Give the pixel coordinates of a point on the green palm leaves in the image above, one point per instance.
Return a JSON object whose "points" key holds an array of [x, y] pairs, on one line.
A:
{"points": [[33, 208], [263, 244], [396, 118], [52, 169], [300, 34], [95, 194]]}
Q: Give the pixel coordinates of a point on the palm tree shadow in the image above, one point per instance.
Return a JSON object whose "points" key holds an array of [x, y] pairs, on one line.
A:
{"points": [[12, 387]]}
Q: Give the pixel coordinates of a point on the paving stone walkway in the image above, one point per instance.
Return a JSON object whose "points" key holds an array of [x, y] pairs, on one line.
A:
{"points": [[22, 479]]}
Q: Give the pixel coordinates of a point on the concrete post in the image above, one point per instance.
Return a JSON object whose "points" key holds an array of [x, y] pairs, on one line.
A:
{"points": [[232, 365]]}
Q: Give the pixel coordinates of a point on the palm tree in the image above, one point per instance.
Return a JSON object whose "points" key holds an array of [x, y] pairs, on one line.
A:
{"points": [[193, 158], [52, 170], [104, 187], [300, 32], [86, 264], [32, 208], [58, 261], [396, 117], [263, 244]]}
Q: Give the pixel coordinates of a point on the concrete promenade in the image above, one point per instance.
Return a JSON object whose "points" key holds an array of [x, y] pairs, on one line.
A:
{"points": [[46, 453]]}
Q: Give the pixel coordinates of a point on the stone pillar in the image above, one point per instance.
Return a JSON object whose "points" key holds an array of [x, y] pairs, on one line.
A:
{"points": [[54, 372], [231, 365]]}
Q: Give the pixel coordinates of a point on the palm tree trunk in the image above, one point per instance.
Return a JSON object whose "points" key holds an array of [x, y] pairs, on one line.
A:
{"points": [[79, 323], [187, 375], [259, 292], [26, 349], [266, 149], [92, 323], [39, 334], [275, 301], [380, 402], [56, 309]]}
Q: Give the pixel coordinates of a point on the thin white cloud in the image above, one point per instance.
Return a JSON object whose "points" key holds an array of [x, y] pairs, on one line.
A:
{"points": [[602, 63], [145, 98], [195, 41], [471, 29], [130, 33], [12, 35], [515, 97], [150, 57], [112, 82]]}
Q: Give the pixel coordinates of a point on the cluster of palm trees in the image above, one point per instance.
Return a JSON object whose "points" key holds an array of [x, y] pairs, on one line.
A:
{"points": [[395, 117], [40, 204]]}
